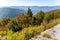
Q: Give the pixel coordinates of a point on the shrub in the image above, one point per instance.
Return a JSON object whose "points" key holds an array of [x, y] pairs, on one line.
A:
{"points": [[28, 36], [13, 27], [25, 34], [4, 21], [46, 35]]}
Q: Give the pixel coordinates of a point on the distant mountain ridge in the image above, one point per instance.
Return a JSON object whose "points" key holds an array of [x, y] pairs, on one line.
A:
{"points": [[37, 8], [12, 11], [9, 12]]}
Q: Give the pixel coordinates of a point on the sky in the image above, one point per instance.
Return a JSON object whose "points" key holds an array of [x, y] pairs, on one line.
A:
{"points": [[29, 2]]}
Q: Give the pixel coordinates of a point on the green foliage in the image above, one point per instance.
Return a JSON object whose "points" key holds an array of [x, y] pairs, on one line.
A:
{"points": [[29, 13], [25, 34], [48, 17], [28, 36], [12, 26], [39, 17], [3, 33], [33, 21], [46, 35], [52, 15], [4, 21], [25, 26], [53, 22], [23, 21]]}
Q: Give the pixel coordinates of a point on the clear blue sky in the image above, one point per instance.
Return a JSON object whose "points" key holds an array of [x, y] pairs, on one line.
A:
{"points": [[29, 2]]}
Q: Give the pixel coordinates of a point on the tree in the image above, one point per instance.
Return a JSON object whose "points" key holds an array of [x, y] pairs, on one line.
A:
{"points": [[29, 13], [39, 16]]}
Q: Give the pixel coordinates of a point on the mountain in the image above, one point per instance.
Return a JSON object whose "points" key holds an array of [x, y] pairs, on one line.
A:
{"points": [[37, 8], [12, 11], [9, 12]]}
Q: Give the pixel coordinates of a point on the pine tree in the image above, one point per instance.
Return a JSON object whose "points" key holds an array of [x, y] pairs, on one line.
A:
{"points": [[29, 13]]}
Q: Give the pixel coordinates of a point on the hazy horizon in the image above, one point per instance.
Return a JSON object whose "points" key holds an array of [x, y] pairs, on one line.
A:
{"points": [[26, 6]]}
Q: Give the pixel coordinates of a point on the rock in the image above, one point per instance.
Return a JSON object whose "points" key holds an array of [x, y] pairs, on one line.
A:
{"points": [[53, 32]]}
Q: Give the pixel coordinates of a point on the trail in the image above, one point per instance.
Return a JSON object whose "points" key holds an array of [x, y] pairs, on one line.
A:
{"points": [[53, 32]]}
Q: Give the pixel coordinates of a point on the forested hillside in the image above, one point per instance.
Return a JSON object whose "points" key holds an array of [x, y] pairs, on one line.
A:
{"points": [[25, 26]]}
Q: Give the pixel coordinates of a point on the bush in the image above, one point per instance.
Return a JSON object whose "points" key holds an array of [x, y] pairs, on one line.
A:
{"points": [[28, 36], [2, 33], [39, 17], [25, 34], [46, 35], [4, 21], [13, 27]]}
